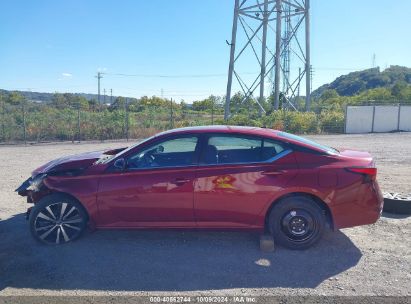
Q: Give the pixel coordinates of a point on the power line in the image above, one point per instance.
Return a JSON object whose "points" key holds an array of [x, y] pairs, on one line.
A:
{"points": [[340, 68], [173, 76]]}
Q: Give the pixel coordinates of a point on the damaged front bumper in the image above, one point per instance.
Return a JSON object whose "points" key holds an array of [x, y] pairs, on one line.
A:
{"points": [[33, 188], [23, 188]]}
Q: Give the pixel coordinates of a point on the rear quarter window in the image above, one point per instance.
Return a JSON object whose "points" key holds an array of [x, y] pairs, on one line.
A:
{"points": [[307, 142]]}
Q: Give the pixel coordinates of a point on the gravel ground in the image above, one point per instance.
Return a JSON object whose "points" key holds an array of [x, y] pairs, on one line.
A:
{"points": [[361, 261]]}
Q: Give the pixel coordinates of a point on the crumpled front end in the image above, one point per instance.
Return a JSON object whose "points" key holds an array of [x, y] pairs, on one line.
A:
{"points": [[60, 175], [33, 188]]}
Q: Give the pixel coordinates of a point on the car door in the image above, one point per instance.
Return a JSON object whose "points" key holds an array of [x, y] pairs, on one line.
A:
{"points": [[155, 189], [237, 177]]}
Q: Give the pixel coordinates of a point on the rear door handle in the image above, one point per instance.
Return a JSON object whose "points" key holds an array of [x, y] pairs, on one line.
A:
{"points": [[181, 181]]}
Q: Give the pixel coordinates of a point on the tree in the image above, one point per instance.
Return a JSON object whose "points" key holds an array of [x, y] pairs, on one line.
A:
{"points": [[93, 104], [328, 94], [118, 104], [15, 98], [399, 90], [184, 106]]}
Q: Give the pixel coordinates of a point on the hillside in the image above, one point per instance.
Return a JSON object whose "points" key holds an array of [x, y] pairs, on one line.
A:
{"points": [[48, 97], [358, 82], [351, 84]]}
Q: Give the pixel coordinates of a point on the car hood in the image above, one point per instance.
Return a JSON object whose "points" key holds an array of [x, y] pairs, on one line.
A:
{"points": [[73, 163]]}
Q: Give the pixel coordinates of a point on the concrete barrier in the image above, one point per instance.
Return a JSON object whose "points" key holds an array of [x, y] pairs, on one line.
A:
{"points": [[385, 119], [405, 118], [359, 119], [368, 119]]}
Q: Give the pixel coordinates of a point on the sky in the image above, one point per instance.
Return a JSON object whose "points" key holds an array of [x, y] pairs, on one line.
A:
{"points": [[177, 48]]}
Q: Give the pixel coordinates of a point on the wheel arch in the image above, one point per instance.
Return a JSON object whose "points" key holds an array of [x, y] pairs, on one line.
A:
{"points": [[320, 203], [70, 196]]}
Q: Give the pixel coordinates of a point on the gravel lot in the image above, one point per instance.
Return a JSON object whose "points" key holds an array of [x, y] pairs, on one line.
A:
{"points": [[368, 260]]}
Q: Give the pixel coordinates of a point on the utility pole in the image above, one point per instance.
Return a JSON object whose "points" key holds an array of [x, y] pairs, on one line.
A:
{"points": [[111, 96], [308, 56], [231, 65], [99, 76], [277, 56], [264, 52]]}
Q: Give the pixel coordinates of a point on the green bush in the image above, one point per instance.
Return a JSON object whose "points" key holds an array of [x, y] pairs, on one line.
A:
{"points": [[243, 120], [332, 122], [301, 122], [294, 122]]}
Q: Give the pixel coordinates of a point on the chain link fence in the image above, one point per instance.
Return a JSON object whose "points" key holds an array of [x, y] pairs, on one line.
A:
{"points": [[34, 122], [40, 122]]}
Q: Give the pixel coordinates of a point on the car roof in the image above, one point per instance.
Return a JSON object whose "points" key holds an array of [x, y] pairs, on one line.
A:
{"points": [[223, 129], [256, 131]]}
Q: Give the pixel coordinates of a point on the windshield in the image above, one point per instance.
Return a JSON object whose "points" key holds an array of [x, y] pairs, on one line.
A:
{"points": [[307, 142]]}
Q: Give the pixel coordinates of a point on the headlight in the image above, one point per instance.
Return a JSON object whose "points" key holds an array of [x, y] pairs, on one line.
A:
{"points": [[36, 182]]}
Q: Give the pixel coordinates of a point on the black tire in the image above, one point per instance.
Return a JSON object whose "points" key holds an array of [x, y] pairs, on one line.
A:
{"points": [[397, 203], [57, 219], [296, 222]]}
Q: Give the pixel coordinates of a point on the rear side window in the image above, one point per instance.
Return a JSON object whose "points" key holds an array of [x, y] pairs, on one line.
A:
{"points": [[231, 149]]}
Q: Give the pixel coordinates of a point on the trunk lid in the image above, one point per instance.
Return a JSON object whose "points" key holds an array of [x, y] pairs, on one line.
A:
{"points": [[359, 158]]}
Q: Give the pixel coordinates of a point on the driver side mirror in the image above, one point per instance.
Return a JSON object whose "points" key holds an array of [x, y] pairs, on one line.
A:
{"points": [[120, 164]]}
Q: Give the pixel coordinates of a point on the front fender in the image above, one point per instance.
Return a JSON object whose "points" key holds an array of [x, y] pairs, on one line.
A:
{"points": [[82, 188]]}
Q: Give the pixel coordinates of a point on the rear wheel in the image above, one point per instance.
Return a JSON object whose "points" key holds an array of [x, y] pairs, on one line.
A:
{"points": [[296, 222], [57, 219]]}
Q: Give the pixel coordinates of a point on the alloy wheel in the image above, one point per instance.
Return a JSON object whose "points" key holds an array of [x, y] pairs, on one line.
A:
{"points": [[58, 223]]}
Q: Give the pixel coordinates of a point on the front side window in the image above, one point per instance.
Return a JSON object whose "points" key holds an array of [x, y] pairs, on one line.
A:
{"points": [[175, 152], [239, 149]]}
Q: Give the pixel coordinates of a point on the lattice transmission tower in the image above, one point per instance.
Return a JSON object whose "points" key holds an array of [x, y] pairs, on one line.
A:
{"points": [[274, 36]]}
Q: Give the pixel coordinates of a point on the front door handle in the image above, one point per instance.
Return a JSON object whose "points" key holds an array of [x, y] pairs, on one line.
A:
{"points": [[181, 181], [274, 172]]}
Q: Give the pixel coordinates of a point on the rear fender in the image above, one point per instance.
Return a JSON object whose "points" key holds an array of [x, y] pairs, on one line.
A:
{"points": [[323, 198]]}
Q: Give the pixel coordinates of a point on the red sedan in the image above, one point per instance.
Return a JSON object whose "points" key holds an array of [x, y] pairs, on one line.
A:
{"points": [[216, 177]]}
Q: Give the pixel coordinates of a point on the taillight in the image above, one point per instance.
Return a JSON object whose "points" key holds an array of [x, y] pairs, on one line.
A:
{"points": [[369, 173]]}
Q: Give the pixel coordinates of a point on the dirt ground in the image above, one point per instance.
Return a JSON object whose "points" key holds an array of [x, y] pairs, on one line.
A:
{"points": [[367, 260]]}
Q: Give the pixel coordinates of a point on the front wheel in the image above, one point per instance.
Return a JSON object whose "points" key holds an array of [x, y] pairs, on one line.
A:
{"points": [[296, 222], [57, 219]]}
